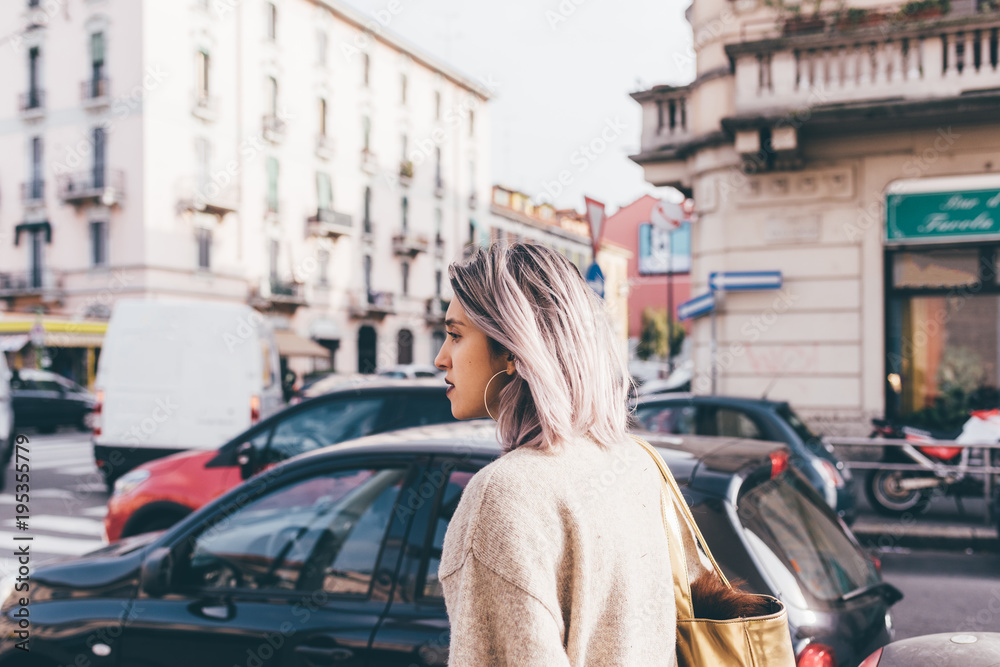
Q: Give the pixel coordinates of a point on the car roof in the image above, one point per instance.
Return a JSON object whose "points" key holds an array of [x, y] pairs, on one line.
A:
{"points": [[740, 401], [377, 384], [478, 438]]}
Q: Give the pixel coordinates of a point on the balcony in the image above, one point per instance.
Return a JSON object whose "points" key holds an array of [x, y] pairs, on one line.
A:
{"points": [[364, 305], [207, 196], [32, 103], [436, 308], [369, 164], [329, 224], [409, 244], [273, 128], [92, 186], [405, 173], [274, 294], [94, 93], [664, 116], [901, 65], [42, 284], [324, 147], [33, 193], [205, 107]]}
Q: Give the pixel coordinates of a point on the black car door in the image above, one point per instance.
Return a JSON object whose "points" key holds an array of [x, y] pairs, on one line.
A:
{"points": [[288, 572], [414, 632]]}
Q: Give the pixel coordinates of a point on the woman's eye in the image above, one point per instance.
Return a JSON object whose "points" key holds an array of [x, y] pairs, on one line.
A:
{"points": [[454, 336]]}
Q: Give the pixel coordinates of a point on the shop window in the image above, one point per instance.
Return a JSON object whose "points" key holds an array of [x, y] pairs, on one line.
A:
{"points": [[942, 268]]}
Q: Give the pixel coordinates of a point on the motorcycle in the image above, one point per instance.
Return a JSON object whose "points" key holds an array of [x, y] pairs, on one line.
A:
{"points": [[950, 468]]}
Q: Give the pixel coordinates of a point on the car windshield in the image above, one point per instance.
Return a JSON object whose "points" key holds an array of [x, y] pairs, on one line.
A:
{"points": [[796, 423], [801, 547]]}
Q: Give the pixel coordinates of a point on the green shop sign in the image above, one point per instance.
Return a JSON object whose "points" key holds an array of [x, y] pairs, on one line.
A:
{"points": [[932, 216]]}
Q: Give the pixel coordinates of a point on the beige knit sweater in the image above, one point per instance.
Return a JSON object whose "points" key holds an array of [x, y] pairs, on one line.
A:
{"points": [[561, 559]]}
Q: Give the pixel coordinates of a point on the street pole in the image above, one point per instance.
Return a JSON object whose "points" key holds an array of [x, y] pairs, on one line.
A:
{"points": [[670, 302], [714, 346]]}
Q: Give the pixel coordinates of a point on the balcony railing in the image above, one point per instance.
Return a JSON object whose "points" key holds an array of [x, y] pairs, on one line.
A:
{"points": [[371, 304], [273, 128], [33, 192], [330, 224], [95, 92], [324, 146], [93, 186], [409, 244], [207, 196], [913, 61], [33, 100], [277, 294], [28, 283], [664, 116], [205, 107]]}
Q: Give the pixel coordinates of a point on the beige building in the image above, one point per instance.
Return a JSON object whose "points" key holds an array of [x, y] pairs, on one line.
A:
{"points": [[858, 152], [291, 154]]}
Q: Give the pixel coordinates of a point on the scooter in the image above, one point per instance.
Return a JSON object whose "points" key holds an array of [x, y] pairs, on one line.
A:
{"points": [[947, 467]]}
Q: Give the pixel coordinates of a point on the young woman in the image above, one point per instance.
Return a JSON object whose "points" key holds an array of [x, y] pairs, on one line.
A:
{"points": [[557, 553]]}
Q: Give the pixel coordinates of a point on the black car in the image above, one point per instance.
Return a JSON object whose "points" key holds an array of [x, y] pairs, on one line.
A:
{"points": [[46, 401], [760, 419], [332, 557]]}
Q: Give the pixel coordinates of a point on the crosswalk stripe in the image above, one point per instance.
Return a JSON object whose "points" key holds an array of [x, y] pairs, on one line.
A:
{"points": [[52, 544], [61, 524]]}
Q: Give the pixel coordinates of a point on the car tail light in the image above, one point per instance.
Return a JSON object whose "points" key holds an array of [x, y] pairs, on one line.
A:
{"points": [[254, 409], [831, 473], [816, 655], [98, 409], [877, 562], [779, 463], [872, 660]]}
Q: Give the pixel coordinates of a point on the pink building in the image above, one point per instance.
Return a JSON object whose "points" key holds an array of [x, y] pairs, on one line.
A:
{"points": [[652, 257]]}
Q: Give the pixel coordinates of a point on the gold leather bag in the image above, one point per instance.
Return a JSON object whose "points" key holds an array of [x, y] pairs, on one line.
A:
{"points": [[755, 641]]}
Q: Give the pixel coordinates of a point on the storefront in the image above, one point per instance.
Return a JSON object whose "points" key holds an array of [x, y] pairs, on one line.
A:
{"points": [[942, 299], [68, 348]]}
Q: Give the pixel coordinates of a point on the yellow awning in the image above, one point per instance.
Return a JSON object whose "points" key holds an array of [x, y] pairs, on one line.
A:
{"points": [[293, 345], [66, 339], [24, 325]]}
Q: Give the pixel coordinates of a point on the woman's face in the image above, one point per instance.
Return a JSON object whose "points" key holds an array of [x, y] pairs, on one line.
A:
{"points": [[469, 363]]}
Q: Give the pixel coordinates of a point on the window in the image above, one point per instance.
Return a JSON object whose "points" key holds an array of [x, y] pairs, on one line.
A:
{"points": [[368, 211], [321, 47], [100, 141], [324, 191], [321, 533], [437, 105], [96, 62], [438, 225], [734, 423], [36, 257], [405, 206], [457, 481], [99, 243], [366, 66], [273, 251], [327, 424], [272, 185], [34, 94], [472, 231], [272, 21], [437, 341], [204, 238], [322, 117], [366, 133], [437, 282], [437, 166], [202, 61], [406, 281], [323, 262], [675, 419], [402, 89], [404, 347], [272, 94], [36, 187], [368, 273], [472, 123]]}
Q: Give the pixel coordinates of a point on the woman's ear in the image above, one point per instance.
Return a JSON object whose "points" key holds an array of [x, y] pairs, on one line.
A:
{"points": [[510, 364]]}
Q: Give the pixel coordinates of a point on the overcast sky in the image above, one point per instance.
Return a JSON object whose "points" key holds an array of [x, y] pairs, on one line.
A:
{"points": [[565, 69]]}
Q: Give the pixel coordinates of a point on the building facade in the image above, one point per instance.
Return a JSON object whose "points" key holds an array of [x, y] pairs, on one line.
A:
{"points": [[857, 152], [293, 155]]}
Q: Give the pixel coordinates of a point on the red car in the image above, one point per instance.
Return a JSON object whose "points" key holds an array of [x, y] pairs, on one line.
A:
{"points": [[157, 494]]}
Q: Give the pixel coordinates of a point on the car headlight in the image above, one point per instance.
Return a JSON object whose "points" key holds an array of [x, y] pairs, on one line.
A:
{"points": [[129, 481]]}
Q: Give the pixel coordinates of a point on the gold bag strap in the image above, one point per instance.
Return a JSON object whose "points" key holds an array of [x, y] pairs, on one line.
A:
{"points": [[674, 494]]}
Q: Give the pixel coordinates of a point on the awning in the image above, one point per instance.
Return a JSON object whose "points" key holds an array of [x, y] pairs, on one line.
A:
{"points": [[13, 343], [293, 345], [73, 339]]}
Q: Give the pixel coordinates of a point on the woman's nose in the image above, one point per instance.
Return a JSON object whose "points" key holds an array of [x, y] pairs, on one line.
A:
{"points": [[440, 360]]}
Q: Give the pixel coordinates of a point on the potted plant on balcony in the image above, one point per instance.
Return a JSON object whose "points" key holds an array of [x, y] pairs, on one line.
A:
{"points": [[792, 21], [917, 10], [858, 17]]}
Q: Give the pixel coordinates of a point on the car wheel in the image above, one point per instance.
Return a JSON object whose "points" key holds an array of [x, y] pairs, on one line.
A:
{"points": [[887, 497]]}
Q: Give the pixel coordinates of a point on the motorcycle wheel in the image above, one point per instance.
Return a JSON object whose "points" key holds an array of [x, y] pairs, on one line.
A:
{"points": [[886, 498]]}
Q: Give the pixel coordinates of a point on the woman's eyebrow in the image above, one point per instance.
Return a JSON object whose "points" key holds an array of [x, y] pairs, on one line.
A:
{"points": [[451, 322]]}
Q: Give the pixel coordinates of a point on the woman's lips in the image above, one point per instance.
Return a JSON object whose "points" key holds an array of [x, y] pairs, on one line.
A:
{"points": [[448, 391]]}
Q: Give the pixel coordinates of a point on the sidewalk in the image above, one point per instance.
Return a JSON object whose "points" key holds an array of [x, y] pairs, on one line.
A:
{"points": [[941, 527]]}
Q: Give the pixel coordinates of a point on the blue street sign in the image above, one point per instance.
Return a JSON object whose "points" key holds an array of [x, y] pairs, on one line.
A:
{"points": [[696, 307], [736, 281], [595, 278]]}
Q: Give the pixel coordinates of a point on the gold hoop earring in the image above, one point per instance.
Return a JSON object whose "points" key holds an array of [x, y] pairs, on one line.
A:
{"points": [[485, 392]]}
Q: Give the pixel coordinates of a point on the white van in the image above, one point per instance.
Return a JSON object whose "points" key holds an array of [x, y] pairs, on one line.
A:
{"points": [[6, 416], [175, 375]]}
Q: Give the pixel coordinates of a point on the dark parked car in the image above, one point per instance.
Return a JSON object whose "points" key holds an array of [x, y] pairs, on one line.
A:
{"points": [[947, 649], [755, 418], [47, 401], [332, 557], [159, 493]]}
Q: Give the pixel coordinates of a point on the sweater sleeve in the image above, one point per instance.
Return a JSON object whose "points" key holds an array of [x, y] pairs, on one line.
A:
{"points": [[495, 622]]}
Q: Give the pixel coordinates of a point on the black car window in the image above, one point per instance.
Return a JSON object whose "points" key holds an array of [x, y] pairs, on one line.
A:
{"points": [[323, 532], [457, 481], [330, 422], [799, 543], [676, 419], [736, 424], [426, 408], [46, 385]]}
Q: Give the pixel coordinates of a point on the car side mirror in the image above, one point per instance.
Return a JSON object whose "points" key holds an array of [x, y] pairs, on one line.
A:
{"points": [[157, 571], [246, 459]]}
